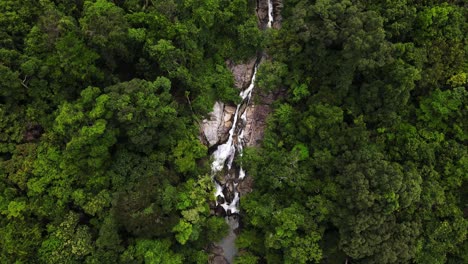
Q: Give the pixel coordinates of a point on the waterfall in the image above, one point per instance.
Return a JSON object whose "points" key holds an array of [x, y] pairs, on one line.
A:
{"points": [[270, 14], [224, 155], [223, 158]]}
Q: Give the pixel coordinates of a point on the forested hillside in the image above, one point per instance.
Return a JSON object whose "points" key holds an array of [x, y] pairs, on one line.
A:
{"points": [[364, 159], [99, 110]]}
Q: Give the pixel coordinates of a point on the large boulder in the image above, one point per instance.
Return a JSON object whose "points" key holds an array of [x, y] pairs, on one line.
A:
{"points": [[211, 126], [228, 115], [215, 130]]}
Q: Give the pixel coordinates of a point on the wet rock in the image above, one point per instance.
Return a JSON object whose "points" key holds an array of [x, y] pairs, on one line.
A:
{"points": [[220, 179], [242, 108], [228, 115], [215, 130], [237, 231], [228, 195], [230, 186], [220, 199], [220, 211]]}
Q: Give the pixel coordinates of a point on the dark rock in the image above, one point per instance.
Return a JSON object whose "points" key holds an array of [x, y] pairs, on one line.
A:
{"points": [[220, 179], [228, 195], [220, 211], [220, 199]]}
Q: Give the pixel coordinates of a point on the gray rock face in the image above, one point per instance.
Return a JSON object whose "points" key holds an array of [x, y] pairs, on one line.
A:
{"points": [[242, 72], [256, 118], [210, 127], [215, 130], [228, 115]]}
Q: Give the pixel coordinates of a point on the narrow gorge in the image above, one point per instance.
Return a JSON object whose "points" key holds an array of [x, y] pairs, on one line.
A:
{"points": [[229, 130]]}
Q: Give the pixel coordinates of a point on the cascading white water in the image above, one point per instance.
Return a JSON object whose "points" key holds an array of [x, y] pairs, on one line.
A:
{"points": [[223, 157], [270, 14], [225, 153]]}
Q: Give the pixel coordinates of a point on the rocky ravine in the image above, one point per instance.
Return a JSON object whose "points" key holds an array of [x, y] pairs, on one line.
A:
{"points": [[229, 129], [215, 130]]}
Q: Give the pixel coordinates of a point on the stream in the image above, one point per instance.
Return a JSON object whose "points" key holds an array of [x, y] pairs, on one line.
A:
{"points": [[223, 158]]}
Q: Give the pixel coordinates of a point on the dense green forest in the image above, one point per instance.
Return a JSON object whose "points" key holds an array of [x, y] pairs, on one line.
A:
{"points": [[99, 109], [364, 159]]}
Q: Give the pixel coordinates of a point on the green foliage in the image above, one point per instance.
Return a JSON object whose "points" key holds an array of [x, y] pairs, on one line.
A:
{"points": [[246, 258], [271, 75], [364, 158], [106, 28], [152, 252], [196, 224], [186, 152], [68, 242]]}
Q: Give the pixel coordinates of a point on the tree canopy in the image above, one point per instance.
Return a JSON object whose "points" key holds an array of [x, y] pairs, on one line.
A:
{"points": [[364, 158]]}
